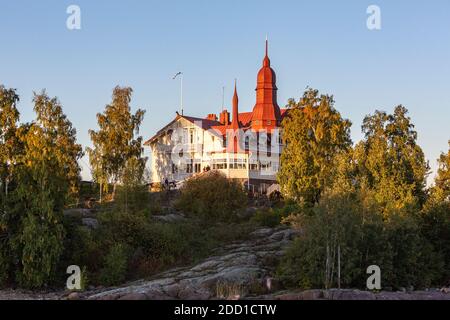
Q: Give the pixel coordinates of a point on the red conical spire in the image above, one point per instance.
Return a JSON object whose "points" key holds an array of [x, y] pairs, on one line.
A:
{"points": [[235, 120], [266, 113], [233, 131]]}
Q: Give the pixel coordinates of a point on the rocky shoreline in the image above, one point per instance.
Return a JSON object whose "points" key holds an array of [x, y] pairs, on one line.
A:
{"points": [[236, 271]]}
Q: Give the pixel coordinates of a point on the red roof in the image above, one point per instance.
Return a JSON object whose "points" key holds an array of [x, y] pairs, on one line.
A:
{"points": [[266, 113]]}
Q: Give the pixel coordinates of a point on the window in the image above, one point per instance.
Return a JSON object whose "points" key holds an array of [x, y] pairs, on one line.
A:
{"points": [[174, 168], [247, 143], [266, 166], [224, 141], [219, 164], [238, 164], [197, 167], [269, 144], [191, 140], [189, 168]]}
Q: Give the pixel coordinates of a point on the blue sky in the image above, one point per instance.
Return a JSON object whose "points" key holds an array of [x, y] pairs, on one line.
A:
{"points": [[142, 44]]}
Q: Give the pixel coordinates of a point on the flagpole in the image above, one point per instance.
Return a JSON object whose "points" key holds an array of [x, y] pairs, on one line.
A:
{"points": [[182, 113], [181, 95]]}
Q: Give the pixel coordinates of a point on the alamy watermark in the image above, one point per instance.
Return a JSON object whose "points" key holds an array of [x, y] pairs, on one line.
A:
{"points": [[374, 19], [74, 280], [73, 21], [374, 281]]}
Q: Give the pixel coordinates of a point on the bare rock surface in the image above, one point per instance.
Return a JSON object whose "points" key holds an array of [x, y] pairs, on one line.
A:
{"points": [[11, 294], [239, 264]]}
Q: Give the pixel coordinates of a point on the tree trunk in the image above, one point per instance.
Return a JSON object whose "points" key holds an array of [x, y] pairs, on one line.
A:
{"points": [[339, 266], [114, 191], [101, 191], [327, 267]]}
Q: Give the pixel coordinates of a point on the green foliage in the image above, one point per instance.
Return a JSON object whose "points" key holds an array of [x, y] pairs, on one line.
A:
{"points": [[267, 218], [9, 150], [115, 268], [61, 140], [84, 283], [372, 213], [4, 263], [41, 246], [42, 176], [442, 188], [37, 235], [390, 161], [354, 224], [314, 134], [436, 213], [151, 246], [133, 193], [272, 217], [81, 248], [212, 197], [157, 244], [9, 145], [116, 150]]}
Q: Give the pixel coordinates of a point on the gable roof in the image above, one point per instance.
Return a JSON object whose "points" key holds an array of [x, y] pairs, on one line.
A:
{"points": [[208, 124]]}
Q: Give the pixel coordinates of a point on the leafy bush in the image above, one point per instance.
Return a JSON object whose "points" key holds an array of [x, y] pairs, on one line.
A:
{"points": [[131, 198], [4, 264], [349, 223], [435, 227], [115, 268], [272, 217], [212, 197], [267, 218]]}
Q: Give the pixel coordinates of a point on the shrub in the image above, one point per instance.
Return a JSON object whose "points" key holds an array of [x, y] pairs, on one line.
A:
{"points": [[275, 216], [267, 218], [212, 197], [115, 267], [81, 248], [4, 264], [41, 244], [84, 279], [132, 198], [364, 237], [151, 246], [435, 227]]}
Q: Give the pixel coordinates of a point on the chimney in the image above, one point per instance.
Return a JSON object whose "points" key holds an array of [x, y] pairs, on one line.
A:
{"points": [[211, 116], [225, 117]]}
